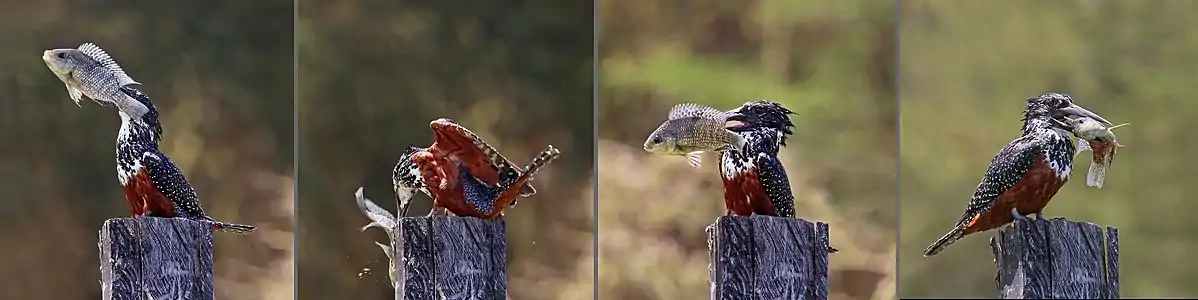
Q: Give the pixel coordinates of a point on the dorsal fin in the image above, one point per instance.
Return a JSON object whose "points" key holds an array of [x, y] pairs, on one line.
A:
{"points": [[101, 57], [692, 110]]}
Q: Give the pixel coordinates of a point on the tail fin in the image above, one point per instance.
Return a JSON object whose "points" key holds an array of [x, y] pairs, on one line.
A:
{"points": [[944, 241], [1096, 175], [738, 141], [233, 228]]}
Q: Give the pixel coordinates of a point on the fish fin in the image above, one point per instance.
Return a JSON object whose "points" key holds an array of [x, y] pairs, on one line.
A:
{"points": [[695, 159], [76, 95], [101, 57], [692, 110], [1082, 145], [1117, 126], [136, 110]]}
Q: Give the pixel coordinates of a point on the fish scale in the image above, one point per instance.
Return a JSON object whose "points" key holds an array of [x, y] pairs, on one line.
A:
{"points": [[153, 185], [692, 129]]}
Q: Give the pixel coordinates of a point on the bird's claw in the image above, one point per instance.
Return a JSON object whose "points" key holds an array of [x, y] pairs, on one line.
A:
{"points": [[1015, 213]]}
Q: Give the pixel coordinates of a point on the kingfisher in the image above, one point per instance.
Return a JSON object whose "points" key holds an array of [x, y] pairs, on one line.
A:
{"points": [[754, 180], [1027, 172], [437, 171], [153, 185]]}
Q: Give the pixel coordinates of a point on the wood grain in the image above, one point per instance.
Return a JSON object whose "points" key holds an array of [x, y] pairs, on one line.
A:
{"points": [[156, 258], [1057, 259], [446, 257], [763, 257]]}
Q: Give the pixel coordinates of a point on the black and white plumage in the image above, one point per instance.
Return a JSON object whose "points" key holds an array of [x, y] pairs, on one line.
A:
{"points": [[406, 180], [152, 183], [140, 162], [492, 199], [754, 174], [1026, 173]]}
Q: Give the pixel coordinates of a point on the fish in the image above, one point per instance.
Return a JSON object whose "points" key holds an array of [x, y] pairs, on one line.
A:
{"points": [[88, 71], [1099, 140], [692, 129]]}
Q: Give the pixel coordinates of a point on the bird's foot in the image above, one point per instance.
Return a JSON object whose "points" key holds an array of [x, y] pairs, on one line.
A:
{"points": [[1015, 213]]}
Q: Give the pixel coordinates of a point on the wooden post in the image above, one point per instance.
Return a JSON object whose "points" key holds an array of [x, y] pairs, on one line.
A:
{"points": [[443, 257], [1057, 259], [762, 257], [156, 258]]}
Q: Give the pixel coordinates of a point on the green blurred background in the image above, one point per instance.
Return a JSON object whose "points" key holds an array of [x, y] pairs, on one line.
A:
{"points": [[830, 61], [966, 70], [373, 74], [220, 73]]}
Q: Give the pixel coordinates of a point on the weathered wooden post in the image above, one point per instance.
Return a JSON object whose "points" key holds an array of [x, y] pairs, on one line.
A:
{"points": [[443, 257], [762, 257], [1057, 259], [156, 258]]}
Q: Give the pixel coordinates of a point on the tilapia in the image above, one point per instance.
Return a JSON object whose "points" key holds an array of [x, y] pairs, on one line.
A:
{"points": [[691, 130], [90, 72], [1099, 140]]}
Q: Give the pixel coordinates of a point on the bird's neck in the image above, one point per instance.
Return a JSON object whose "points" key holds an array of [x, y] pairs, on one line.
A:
{"points": [[143, 130]]}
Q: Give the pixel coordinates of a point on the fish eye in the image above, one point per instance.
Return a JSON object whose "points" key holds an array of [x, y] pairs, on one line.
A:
{"points": [[657, 140], [61, 55]]}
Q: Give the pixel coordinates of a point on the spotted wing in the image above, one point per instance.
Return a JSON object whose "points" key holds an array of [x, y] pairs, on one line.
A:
{"points": [[168, 180], [482, 154], [1005, 170]]}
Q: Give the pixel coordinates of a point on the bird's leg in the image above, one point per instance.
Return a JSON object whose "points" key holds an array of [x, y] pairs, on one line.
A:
{"points": [[1015, 213]]}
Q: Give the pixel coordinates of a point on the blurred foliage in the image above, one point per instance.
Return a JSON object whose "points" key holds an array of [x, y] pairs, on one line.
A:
{"points": [[372, 75], [967, 69], [220, 74], [830, 61]]}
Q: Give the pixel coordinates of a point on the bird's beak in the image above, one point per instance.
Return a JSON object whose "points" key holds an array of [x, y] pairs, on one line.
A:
{"points": [[1074, 111], [736, 119]]}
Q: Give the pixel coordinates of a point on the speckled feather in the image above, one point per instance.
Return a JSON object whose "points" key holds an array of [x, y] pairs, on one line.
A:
{"points": [[1013, 161], [137, 151], [484, 196]]}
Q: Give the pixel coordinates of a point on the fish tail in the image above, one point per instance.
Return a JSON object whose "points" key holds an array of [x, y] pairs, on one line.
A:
{"points": [[948, 239], [736, 140], [1097, 173]]}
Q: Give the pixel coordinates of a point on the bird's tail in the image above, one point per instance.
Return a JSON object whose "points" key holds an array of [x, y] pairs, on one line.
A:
{"points": [[232, 227], [944, 241], [507, 196]]}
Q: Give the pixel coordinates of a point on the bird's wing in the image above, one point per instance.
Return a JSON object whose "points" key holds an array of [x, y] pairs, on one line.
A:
{"points": [[1005, 170], [169, 180]]}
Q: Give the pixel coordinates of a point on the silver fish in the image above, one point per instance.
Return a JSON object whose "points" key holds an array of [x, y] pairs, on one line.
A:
{"points": [[1099, 140], [691, 130]]}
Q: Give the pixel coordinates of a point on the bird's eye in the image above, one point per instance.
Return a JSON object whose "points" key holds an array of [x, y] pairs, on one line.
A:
{"points": [[61, 55]]}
